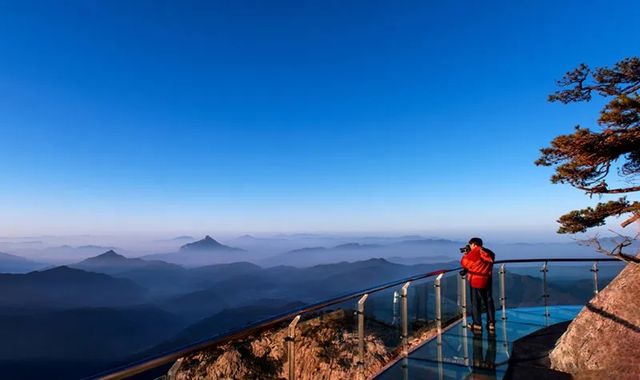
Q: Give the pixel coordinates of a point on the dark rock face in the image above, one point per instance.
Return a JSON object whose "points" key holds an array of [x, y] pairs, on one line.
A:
{"points": [[604, 339]]}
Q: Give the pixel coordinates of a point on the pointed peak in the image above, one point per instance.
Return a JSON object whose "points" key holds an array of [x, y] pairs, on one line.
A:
{"points": [[110, 253], [208, 243]]}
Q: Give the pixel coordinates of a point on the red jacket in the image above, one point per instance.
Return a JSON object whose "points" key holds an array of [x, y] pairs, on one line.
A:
{"points": [[479, 265]]}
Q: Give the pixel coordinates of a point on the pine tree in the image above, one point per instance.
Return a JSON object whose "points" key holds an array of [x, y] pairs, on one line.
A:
{"points": [[593, 160]]}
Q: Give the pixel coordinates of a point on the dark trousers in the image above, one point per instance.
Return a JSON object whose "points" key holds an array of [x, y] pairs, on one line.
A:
{"points": [[480, 297]]}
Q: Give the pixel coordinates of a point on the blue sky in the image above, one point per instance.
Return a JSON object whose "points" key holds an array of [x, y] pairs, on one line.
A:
{"points": [[287, 116]]}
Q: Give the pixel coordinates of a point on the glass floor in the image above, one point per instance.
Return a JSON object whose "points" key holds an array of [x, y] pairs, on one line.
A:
{"points": [[461, 355]]}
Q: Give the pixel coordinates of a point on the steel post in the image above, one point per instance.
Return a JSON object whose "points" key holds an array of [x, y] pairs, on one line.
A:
{"points": [[361, 335], [405, 317], [503, 291], [463, 299], [439, 308], [594, 269], [505, 339], [545, 292], [291, 351]]}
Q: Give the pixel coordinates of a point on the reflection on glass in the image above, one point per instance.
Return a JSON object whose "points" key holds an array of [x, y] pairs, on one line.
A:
{"points": [[484, 362]]}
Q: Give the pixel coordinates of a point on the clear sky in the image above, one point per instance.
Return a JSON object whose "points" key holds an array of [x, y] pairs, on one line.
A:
{"points": [[284, 116]]}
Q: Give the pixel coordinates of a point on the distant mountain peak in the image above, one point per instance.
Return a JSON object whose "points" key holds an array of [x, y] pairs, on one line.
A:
{"points": [[110, 253], [208, 243], [356, 246], [109, 256]]}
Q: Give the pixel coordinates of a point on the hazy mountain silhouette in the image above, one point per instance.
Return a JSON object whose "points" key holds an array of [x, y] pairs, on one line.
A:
{"points": [[74, 343], [251, 283], [183, 237], [202, 252], [309, 249], [426, 251], [159, 277], [207, 244], [66, 254], [16, 264], [228, 319], [64, 287], [357, 246], [354, 251], [111, 262]]}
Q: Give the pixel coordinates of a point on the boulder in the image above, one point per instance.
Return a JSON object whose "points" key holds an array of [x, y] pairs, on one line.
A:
{"points": [[603, 341]]}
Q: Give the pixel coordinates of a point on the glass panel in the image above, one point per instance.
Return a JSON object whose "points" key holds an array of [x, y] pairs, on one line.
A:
{"points": [[420, 299], [450, 286], [383, 318]]}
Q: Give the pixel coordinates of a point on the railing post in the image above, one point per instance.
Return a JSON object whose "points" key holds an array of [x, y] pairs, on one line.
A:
{"points": [[594, 269], [405, 316], [291, 352], [462, 294], [439, 308], [360, 363], [462, 290], [545, 293], [396, 308], [503, 291]]}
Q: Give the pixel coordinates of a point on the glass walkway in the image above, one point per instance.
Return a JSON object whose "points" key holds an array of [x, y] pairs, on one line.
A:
{"points": [[461, 354]]}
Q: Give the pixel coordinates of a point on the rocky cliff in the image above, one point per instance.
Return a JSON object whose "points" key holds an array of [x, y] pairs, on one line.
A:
{"points": [[326, 349], [604, 339]]}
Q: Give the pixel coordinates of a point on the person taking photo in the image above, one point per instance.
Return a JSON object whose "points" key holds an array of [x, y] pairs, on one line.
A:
{"points": [[478, 263]]}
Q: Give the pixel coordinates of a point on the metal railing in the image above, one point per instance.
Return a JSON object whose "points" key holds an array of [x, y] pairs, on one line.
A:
{"points": [[294, 316]]}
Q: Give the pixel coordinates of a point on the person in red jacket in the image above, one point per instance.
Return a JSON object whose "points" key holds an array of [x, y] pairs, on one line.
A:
{"points": [[478, 263]]}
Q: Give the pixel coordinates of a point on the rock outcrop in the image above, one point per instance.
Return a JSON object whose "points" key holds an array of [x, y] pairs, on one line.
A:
{"points": [[604, 339], [326, 349]]}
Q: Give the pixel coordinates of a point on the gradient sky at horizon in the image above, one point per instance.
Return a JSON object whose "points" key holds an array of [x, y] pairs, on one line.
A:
{"points": [[289, 116]]}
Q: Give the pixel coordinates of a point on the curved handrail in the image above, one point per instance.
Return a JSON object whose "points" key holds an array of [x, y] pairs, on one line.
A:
{"points": [[144, 365]]}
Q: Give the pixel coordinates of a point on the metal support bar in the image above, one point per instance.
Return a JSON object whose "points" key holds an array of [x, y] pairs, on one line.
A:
{"points": [[463, 298], [439, 308], [503, 291], [545, 292], [594, 269], [505, 338], [440, 362], [458, 295], [405, 316], [361, 335], [291, 350]]}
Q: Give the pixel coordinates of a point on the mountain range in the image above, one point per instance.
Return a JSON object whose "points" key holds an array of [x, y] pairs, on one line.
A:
{"points": [[202, 252], [16, 264]]}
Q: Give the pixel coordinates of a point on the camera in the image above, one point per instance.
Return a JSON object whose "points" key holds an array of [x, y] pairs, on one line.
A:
{"points": [[464, 250]]}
